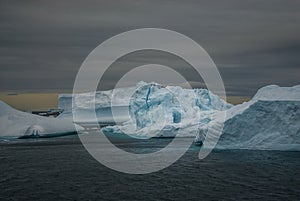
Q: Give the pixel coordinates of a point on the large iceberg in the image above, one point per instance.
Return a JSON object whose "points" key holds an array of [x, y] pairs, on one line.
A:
{"points": [[158, 111], [270, 121], [146, 110], [14, 123]]}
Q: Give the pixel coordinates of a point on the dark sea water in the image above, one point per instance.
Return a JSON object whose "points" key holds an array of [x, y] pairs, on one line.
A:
{"points": [[61, 169]]}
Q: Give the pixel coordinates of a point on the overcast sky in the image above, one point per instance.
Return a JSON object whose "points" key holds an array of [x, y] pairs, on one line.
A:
{"points": [[253, 43]]}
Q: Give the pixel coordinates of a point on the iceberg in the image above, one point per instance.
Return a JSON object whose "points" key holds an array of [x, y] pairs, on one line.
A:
{"points": [[158, 111], [270, 121], [146, 110], [14, 123]]}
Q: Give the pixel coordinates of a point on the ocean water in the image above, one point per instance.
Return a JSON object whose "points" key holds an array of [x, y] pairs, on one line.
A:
{"points": [[61, 169]]}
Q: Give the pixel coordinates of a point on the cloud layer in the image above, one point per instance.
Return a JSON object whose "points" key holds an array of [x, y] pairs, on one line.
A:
{"points": [[253, 43]]}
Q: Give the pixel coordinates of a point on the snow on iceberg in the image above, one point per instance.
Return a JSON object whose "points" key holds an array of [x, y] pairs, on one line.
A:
{"points": [[14, 123], [270, 121], [103, 101], [158, 111]]}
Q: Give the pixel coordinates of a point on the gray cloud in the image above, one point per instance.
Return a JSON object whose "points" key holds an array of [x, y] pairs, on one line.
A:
{"points": [[254, 43]]}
